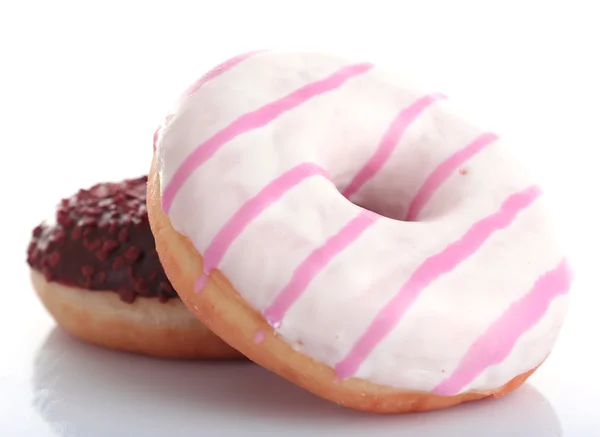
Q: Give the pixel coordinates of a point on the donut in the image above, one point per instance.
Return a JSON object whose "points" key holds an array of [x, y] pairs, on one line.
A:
{"points": [[95, 268], [362, 237]]}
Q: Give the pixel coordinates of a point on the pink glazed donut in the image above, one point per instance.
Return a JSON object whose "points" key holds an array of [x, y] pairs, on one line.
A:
{"points": [[355, 235]]}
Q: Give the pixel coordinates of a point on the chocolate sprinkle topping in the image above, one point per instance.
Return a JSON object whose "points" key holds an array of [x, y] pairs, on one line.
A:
{"points": [[101, 240]]}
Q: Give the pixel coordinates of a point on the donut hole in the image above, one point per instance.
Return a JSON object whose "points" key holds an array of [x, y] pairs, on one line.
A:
{"points": [[386, 196], [382, 201]]}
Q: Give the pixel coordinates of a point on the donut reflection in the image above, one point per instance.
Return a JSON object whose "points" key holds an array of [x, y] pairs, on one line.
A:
{"points": [[81, 390]]}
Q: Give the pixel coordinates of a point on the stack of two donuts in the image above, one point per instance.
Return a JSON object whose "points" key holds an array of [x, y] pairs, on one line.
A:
{"points": [[354, 235]]}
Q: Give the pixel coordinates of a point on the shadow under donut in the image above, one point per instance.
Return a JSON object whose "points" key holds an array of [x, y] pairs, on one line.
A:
{"points": [[86, 391]]}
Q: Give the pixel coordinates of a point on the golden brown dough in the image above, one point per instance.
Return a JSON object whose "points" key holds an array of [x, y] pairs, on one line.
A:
{"points": [[146, 326]]}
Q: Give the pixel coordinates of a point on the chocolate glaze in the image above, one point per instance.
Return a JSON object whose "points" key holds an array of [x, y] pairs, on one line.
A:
{"points": [[100, 239]]}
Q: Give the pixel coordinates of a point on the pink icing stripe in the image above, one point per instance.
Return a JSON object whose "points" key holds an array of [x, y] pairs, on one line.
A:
{"points": [[218, 70], [253, 120], [249, 211], [496, 343], [444, 171], [430, 270], [315, 263], [388, 143]]}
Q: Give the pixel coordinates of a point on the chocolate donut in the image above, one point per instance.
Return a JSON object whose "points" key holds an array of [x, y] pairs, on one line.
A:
{"points": [[96, 270]]}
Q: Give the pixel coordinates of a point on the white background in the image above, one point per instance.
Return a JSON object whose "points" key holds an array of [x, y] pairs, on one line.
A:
{"points": [[82, 89]]}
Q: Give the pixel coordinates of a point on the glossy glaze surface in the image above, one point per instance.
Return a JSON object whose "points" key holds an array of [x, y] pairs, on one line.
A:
{"points": [[412, 250]]}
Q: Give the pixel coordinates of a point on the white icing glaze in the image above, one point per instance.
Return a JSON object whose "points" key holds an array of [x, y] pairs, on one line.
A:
{"points": [[339, 130]]}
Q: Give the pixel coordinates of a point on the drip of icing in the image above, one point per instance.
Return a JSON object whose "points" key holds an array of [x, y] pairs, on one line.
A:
{"points": [[445, 170], [249, 211], [388, 143], [254, 120], [495, 344], [316, 262], [431, 269], [259, 337]]}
